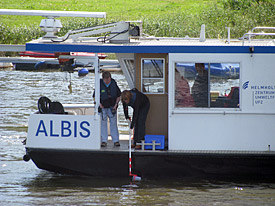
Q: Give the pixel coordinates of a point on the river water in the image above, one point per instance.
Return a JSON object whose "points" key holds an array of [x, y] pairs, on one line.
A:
{"points": [[22, 183]]}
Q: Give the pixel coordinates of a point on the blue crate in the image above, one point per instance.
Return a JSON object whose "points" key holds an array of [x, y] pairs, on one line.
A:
{"points": [[158, 138]]}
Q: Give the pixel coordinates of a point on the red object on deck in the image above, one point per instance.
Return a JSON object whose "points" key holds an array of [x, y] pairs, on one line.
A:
{"points": [[36, 54]]}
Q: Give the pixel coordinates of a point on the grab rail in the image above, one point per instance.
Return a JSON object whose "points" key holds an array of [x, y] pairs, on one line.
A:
{"points": [[262, 27], [251, 33]]}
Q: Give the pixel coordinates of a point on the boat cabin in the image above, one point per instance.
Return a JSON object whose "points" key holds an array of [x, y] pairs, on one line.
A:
{"points": [[205, 94]]}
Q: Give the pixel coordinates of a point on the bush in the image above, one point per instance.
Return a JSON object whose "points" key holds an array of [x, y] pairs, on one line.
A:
{"points": [[239, 15], [18, 35]]}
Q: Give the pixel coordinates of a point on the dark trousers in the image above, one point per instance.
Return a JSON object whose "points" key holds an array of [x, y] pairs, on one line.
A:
{"points": [[139, 130]]}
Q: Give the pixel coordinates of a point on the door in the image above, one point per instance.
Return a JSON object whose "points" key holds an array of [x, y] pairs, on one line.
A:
{"points": [[152, 80]]}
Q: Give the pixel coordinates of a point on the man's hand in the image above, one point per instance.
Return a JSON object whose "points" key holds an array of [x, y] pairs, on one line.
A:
{"points": [[116, 106]]}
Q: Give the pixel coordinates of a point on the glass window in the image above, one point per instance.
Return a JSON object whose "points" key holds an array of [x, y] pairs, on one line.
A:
{"points": [[129, 65], [183, 82], [198, 86], [224, 85], [152, 79]]}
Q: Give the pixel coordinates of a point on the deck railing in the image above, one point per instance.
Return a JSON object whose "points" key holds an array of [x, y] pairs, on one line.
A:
{"points": [[251, 33]]}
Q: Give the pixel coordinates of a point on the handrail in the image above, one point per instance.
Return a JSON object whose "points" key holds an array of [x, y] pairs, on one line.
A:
{"points": [[251, 33], [262, 27]]}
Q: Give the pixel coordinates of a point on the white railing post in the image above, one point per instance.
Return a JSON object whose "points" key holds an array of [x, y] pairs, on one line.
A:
{"points": [[97, 85], [97, 101]]}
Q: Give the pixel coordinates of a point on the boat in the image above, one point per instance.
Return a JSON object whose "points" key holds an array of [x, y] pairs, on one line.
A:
{"points": [[57, 54], [225, 132], [37, 54], [37, 61]]}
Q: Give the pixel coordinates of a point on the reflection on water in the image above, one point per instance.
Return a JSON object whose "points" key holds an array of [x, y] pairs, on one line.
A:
{"points": [[21, 183], [45, 188]]}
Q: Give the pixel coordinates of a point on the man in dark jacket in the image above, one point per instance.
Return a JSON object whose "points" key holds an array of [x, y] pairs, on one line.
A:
{"points": [[109, 99], [200, 86], [140, 104]]}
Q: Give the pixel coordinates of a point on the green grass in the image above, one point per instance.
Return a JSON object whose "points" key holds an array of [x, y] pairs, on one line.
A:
{"points": [[176, 18], [116, 9]]}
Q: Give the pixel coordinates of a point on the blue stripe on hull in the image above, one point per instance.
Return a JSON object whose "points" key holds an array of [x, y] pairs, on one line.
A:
{"points": [[145, 49]]}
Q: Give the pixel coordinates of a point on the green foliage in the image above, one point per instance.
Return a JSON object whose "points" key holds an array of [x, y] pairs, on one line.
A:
{"points": [[239, 15], [177, 25], [240, 18], [236, 4], [244, 4], [18, 35], [122, 9]]}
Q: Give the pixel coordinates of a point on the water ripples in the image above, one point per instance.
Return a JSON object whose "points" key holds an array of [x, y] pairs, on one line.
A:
{"points": [[22, 183]]}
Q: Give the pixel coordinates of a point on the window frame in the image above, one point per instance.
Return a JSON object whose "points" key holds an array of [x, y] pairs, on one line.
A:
{"points": [[163, 78], [132, 75], [208, 108]]}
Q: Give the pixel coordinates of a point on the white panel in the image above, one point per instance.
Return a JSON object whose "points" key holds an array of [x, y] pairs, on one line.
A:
{"points": [[249, 128], [259, 78], [222, 132], [51, 131]]}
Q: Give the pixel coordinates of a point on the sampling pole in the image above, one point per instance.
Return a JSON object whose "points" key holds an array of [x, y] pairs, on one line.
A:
{"points": [[134, 177]]}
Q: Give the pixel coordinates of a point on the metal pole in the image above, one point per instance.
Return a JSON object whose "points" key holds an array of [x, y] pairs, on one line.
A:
{"points": [[134, 177], [97, 100], [130, 152], [97, 85]]}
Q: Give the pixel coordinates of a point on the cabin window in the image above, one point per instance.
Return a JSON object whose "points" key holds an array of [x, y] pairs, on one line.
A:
{"points": [[198, 86], [152, 78], [129, 65], [224, 85]]}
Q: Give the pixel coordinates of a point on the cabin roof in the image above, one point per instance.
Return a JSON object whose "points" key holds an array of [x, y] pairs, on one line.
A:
{"points": [[156, 45]]}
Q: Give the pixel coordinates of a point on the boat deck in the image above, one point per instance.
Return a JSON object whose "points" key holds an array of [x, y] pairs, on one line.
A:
{"points": [[124, 147], [124, 144], [156, 45], [160, 41]]}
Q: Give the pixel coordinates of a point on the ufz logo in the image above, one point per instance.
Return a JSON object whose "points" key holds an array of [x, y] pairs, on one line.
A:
{"points": [[245, 85]]}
